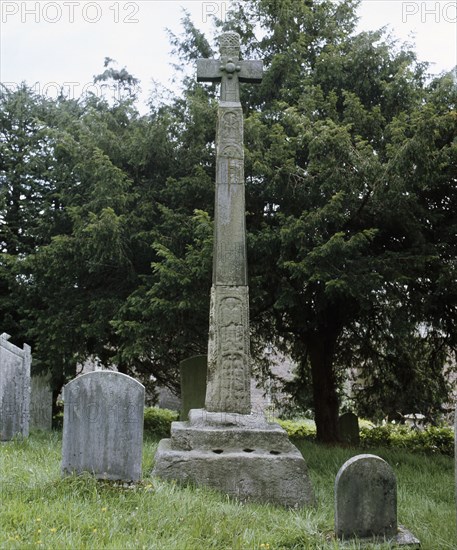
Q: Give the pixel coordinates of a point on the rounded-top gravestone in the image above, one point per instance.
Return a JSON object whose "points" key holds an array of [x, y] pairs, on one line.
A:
{"points": [[365, 498], [103, 426]]}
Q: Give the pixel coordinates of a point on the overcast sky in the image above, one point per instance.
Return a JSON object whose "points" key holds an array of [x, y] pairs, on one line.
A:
{"points": [[63, 44]]}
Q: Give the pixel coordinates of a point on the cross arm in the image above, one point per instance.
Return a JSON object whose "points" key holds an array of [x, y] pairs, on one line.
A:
{"points": [[208, 70], [251, 71]]}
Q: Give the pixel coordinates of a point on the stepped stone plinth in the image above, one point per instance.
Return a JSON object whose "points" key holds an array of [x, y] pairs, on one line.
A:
{"points": [[243, 456]]}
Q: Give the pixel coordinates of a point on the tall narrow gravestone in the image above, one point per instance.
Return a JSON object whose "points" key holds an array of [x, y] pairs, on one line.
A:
{"points": [[224, 445], [348, 426], [41, 402], [103, 426], [193, 383], [14, 389]]}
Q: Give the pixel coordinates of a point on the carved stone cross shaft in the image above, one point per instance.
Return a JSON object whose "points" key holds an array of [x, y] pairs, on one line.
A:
{"points": [[229, 373]]}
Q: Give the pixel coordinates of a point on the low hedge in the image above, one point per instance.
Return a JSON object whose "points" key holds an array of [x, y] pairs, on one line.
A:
{"points": [[300, 429], [430, 440], [157, 422]]}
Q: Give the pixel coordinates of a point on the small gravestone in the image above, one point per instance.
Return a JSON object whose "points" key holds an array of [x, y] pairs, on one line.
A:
{"points": [[366, 502], [193, 384], [103, 426], [41, 403], [14, 389], [348, 425]]}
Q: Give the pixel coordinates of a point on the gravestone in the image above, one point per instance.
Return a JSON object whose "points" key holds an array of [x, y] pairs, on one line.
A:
{"points": [[348, 426], [366, 502], [224, 445], [41, 403], [103, 426], [193, 384], [455, 454], [14, 389]]}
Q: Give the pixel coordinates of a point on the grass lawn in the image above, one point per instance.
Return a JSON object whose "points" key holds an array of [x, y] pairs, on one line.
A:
{"points": [[39, 509]]}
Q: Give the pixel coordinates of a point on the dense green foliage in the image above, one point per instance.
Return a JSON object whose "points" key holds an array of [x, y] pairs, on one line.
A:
{"points": [[430, 440], [106, 216], [46, 511], [157, 422], [298, 429]]}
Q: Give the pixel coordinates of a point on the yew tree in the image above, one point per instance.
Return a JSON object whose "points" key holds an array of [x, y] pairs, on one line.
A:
{"points": [[351, 155]]}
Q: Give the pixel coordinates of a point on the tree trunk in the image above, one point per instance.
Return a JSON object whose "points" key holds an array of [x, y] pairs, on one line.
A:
{"points": [[321, 348]]}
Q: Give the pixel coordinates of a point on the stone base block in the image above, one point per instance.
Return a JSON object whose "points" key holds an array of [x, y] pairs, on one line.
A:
{"points": [[401, 539], [242, 456]]}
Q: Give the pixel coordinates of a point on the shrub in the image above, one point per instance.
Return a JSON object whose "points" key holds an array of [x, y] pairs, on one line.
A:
{"points": [[431, 440], [298, 429], [157, 422]]}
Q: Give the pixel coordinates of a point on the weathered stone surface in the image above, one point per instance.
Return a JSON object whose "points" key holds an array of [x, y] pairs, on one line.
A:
{"points": [[229, 261], [41, 403], [229, 373], [203, 418], [455, 455], [204, 430], [366, 503], [193, 384], [246, 458], [14, 389], [365, 498], [348, 425], [103, 426]]}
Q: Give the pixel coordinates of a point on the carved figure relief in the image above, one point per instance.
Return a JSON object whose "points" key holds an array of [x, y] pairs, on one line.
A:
{"points": [[232, 151], [232, 338], [230, 311], [235, 171], [232, 343], [231, 125], [232, 365]]}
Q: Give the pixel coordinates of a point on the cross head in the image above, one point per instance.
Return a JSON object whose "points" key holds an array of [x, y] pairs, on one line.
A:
{"points": [[229, 70]]}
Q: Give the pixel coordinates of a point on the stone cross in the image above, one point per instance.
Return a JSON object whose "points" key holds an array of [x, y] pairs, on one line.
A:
{"points": [[229, 373], [224, 445]]}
